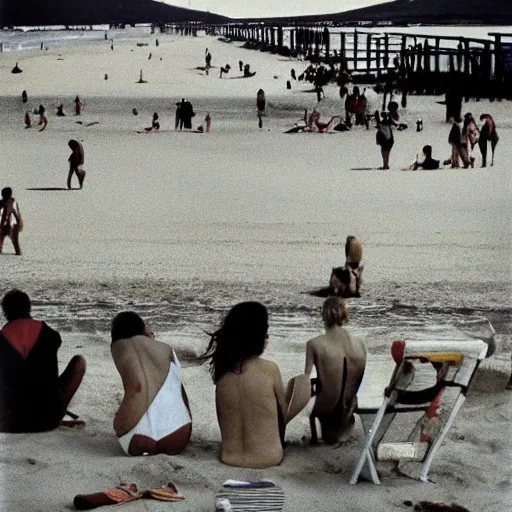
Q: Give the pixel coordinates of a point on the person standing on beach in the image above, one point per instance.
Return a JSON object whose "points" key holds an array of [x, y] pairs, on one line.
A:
{"points": [[42, 118], [385, 138], [487, 134], [78, 106], [340, 362], [10, 220], [154, 416], [34, 397], [76, 160], [260, 105]]}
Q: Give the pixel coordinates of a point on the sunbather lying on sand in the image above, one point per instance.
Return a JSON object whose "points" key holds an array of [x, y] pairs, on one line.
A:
{"points": [[340, 362], [154, 416]]}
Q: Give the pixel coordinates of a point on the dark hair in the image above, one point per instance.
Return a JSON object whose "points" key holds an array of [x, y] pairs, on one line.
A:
{"points": [[427, 150], [242, 335], [16, 304], [126, 325], [343, 274], [73, 144], [6, 193]]}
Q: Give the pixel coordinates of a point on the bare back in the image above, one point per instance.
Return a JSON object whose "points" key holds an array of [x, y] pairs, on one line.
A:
{"points": [[249, 411], [340, 361], [143, 364]]}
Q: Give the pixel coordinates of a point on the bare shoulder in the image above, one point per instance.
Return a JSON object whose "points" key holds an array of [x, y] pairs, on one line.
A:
{"points": [[316, 342], [266, 366]]}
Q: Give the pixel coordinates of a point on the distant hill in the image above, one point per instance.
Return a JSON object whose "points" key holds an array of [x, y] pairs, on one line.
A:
{"points": [[428, 12], [435, 12], [94, 12]]}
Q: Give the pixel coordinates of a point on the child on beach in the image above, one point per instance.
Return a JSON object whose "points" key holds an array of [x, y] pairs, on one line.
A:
{"points": [[76, 160], [340, 362], [10, 220], [154, 416]]}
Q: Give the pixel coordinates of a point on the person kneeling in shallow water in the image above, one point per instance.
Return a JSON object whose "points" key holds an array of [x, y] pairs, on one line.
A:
{"points": [[345, 281], [154, 416]]}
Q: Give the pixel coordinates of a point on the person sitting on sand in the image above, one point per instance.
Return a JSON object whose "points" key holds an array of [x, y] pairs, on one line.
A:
{"points": [[340, 361], [10, 220], [251, 404], [155, 125], [154, 416], [345, 281], [427, 163], [34, 397], [76, 160]]}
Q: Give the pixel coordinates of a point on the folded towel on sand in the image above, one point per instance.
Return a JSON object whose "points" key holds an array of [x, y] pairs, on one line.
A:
{"points": [[262, 495]]}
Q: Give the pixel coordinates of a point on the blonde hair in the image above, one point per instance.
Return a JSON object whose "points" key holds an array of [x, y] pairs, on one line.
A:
{"points": [[334, 312]]}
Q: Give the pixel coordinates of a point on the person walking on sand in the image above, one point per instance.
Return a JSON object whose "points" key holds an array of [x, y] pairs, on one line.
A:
{"points": [[260, 105], [78, 106], [385, 138], [34, 397], [154, 416], [487, 134], [11, 222], [76, 160], [456, 142], [42, 118], [252, 407], [27, 120], [340, 361]]}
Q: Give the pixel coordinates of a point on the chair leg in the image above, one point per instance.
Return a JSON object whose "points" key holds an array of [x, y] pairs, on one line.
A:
{"points": [[367, 451], [440, 438]]}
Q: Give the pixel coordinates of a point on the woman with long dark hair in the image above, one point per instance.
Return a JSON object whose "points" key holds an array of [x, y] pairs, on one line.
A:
{"points": [[249, 393]]}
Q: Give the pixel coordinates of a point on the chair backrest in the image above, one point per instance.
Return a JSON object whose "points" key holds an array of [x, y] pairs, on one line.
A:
{"points": [[454, 361]]}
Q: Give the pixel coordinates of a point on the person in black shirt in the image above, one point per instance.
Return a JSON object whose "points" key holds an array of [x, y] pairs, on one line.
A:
{"points": [[33, 397]]}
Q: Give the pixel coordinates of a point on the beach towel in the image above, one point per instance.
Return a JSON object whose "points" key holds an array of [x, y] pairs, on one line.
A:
{"points": [[261, 495]]}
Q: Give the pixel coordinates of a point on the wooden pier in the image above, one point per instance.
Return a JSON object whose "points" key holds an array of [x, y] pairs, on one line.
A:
{"points": [[430, 62]]}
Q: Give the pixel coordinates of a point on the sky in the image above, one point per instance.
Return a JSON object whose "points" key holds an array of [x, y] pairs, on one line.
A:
{"points": [[260, 8]]}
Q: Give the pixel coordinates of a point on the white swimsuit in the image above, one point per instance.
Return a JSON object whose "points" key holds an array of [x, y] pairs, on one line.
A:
{"points": [[166, 413]]}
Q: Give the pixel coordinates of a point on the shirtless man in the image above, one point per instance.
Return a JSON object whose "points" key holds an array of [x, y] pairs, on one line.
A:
{"points": [[154, 416], [250, 398], [10, 220], [340, 362]]}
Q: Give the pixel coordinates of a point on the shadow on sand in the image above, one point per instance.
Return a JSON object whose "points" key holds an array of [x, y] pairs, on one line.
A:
{"points": [[46, 189]]}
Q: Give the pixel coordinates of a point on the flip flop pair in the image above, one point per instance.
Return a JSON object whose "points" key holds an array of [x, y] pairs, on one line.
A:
{"points": [[126, 493]]}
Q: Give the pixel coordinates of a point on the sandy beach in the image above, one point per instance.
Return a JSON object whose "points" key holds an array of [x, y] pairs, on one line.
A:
{"points": [[180, 226]]}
